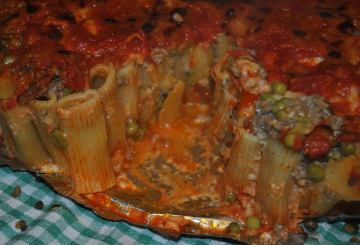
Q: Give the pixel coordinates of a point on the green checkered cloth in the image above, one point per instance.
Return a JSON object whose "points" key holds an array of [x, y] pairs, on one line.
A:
{"points": [[71, 223], [330, 234]]}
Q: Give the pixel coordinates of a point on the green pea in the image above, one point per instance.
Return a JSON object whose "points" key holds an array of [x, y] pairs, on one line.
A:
{"points": [[173, 52], [278, 88], [66, 91], [160, 103], [230, 197], [132, 128], [347, 149], [278, 105], [281, 114], [142, 130], [141, 133], [351, 228], [253, 223], [59, 138], [234, 227], [290, 140], [311, 225], [268, 97], [8, 59], [287, 101], [315, 172], [193, 79], [333, 153]]}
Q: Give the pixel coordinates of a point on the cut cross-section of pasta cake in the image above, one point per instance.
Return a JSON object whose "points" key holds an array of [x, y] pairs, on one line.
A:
{"points": [[198, 108]]}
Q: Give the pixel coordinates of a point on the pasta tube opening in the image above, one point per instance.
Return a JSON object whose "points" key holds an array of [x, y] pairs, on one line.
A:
{"points": [[82, 121], [27, 145], [46, 122], [103, 78]]}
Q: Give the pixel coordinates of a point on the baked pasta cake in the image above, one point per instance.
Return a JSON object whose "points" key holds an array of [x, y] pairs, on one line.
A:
{"points": [[248, 109]]}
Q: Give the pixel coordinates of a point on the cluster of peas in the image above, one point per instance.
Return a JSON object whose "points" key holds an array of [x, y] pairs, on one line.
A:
{"points": [[314, 171], [279, 110], [252, 222], [350, 228]]}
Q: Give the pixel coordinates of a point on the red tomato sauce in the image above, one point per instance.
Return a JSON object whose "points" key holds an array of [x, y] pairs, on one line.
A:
{"points": [[317, 142], [73, 37]]}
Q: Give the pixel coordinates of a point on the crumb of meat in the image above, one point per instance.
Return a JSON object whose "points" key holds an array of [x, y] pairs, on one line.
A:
{"points": [[21, 225], [57, 86], [16, 192], [39, 205], [204, 83], [280, 232], [314, 108], [251, 74], [158, 55], [34, 91]]}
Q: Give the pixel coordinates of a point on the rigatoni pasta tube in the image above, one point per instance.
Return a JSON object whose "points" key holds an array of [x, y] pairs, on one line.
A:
{"points": [[46, 121], [243, 168], [202, 60], [129, 91], [110, 99], [274, 186], [81, 119], [341, 182], [223, 112], [148, 91], [220, 77], [194, 65], [28, 146], [172, 108], [223, 45]]}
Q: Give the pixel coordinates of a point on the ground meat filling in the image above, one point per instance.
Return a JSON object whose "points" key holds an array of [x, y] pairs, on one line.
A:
{"points": [[57, 86], [277, 116], [303, 123]]}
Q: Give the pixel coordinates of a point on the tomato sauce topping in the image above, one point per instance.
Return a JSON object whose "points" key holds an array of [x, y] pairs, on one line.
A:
{"points": [[73, 37], [317, 142], [334, 84]]}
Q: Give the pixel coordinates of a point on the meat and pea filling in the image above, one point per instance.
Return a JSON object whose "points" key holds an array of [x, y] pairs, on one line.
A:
{"points": [[304, 123], [291, 114]]}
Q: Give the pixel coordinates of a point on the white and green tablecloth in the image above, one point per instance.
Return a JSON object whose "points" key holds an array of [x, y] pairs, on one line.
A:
{"points": [[71, 223]]}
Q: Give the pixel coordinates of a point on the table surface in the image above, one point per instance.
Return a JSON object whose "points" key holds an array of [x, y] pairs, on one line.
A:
{"points": [[71, 223]]}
